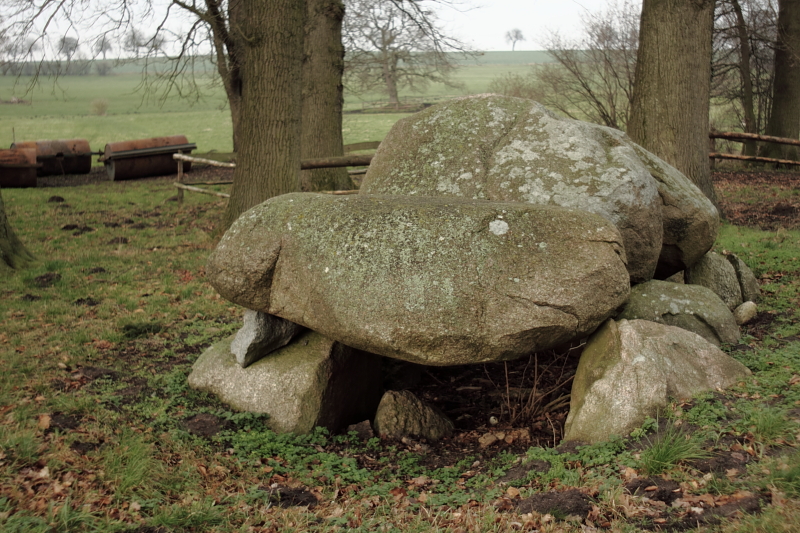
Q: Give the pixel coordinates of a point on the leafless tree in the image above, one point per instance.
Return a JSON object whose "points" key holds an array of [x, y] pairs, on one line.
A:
{"points": [[514, 36], [391, 45], [102, 46], [742, 68], [592, 77], [784, 115], [67, 46]]}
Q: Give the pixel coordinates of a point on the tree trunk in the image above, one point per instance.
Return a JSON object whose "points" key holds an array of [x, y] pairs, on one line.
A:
{"points": [[745, 72], [390, 78], [784, 117], [12, 253], [269, 37], [323, 65], [669, 111]]}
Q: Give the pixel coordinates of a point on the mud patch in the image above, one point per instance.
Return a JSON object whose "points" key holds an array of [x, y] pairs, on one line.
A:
{"points": [[662, 490], [521, 471], [93, 372], [82, 448], [205, 425], [561, 505], [88, 301], [284, 496], [724, 463], [63, 422], [47, 280], [81, 230], [118, 240]]}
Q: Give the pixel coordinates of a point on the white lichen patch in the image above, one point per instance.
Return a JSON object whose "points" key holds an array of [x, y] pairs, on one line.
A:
{"points": [[498, 227]]}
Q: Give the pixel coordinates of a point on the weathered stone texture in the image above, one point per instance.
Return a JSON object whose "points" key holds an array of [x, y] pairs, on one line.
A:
{"points": [[691, 307], [261, 334], [501, 148], [438, 281], [311, 382], [629, 370], [402, 414], [718, 274]]}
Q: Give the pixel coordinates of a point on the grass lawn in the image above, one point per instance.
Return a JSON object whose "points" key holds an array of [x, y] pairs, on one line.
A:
{"points": [[66, 108], [99, 431]]}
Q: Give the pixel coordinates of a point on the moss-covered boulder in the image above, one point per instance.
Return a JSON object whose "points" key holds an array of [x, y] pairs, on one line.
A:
{"points": [[313, 381], [508, 149], [629, 370], [691, 307], [436, 281]]}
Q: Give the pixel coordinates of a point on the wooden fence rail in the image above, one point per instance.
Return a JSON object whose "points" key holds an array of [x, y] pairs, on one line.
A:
{"points": [[741, 136], [306, 164]]}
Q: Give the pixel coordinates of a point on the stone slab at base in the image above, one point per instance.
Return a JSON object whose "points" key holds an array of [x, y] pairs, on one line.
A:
{"points": [[311, 382]]}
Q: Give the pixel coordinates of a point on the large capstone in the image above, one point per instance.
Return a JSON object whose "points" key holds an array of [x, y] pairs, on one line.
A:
{"points": [[436, 281], [692, 307], [509, 149], [313, 381], [629, 370]]}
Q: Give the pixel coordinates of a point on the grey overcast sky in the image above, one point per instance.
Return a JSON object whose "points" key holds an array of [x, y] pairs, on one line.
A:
{"points": [[484, 23]]}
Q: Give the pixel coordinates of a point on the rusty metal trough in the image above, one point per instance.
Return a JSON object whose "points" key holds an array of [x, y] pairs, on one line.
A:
{"points": [[59, 157], [145, 157], [18, 167]]}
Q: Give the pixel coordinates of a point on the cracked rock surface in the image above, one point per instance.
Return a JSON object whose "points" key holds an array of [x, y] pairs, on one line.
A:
{"points": [[436, 281]]}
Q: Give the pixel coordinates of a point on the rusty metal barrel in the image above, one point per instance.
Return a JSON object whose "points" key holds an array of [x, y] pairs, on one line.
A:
{"points": [[145, 157], [62, 156], [18, 168]]}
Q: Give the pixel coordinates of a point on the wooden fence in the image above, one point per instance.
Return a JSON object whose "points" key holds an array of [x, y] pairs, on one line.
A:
{"points": [[742, 137], [351, 160]]}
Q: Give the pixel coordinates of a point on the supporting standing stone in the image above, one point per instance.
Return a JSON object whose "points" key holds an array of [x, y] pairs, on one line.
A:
{"points": [[261, 335], [311, 382], [717, 273], [691, 307], [629, 370]]}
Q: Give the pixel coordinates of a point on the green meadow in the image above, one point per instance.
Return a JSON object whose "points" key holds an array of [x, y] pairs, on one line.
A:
{"points": [[67, 107]]}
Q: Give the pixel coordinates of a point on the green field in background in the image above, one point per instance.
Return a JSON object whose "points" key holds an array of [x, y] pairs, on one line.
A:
{"points": [[65, 108]]}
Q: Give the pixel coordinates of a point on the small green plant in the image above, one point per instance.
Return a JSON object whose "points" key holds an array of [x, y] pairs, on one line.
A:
{"points": [[649, 424], [672, 447]]}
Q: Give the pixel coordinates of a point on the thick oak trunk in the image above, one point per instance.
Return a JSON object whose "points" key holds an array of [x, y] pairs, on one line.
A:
{"points": [[269, 38], [784, 117], [12, 253], [669, 111], [323, 65]]}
